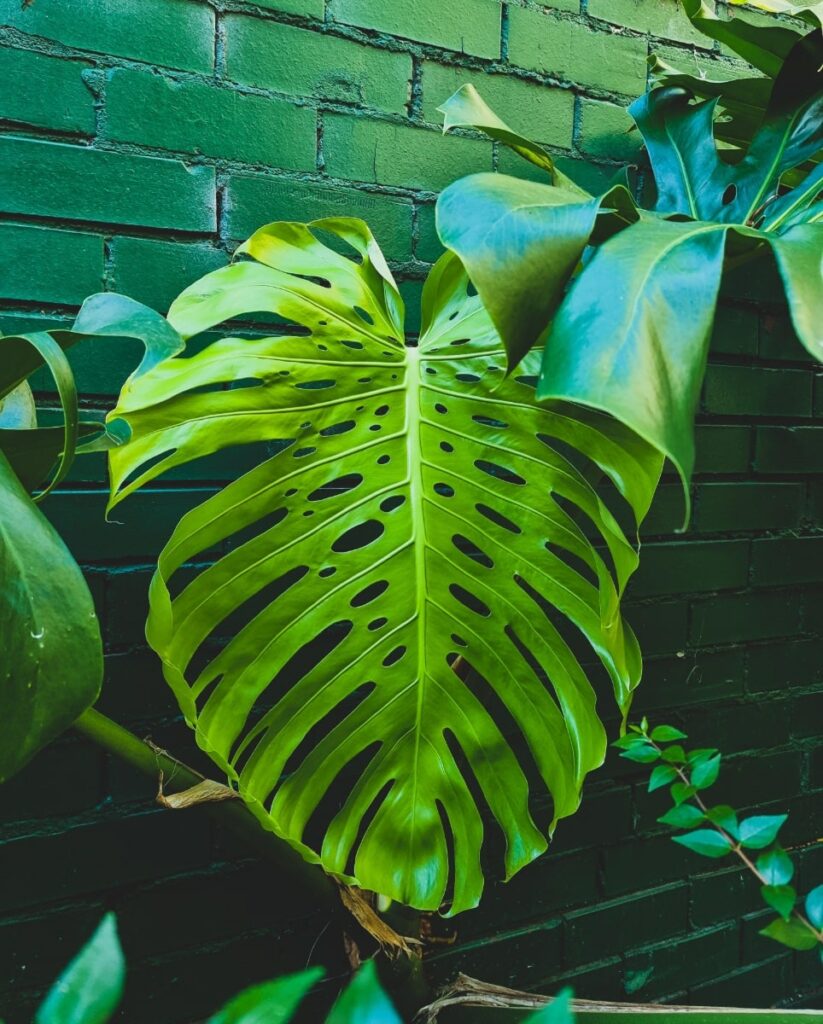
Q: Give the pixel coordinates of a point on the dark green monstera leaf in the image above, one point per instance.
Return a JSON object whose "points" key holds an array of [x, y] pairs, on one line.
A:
{"points": [[370, 630], [49, 633], [742, 102], [629, 334]]}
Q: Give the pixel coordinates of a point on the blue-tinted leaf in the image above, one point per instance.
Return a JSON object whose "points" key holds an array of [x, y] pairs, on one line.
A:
{"points": [[790, 933], [705, 841], [761, 830], [644, 754], [781, 898], [704, 773], [684, 816], [667, 734], [814, 906], [89, 989], [364, 1001], [662, 775], [726, 818], [558, 1011], [680, 792], [273, 1002], [775, 867]]}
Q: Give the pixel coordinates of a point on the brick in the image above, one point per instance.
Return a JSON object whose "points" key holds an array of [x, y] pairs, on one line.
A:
{"points": [[753, 986], [789, 450], [39, 791], [95, 857], [240, 901], [605, 812], [618, 925], [607, 131], [48, 265], [778, 339], [391, 154], [411, 293], [657, 857], [252, 202], [691, 566], [698, 677], [737, 617], [539, 112], [428, 247], [549, 884], [660, 628], [722, 895], [780, 665], [308, 8], [62, 100], [807, 714], [736, 331], [673, 966], [664, 18], [155, 272], [181, 36], [139, 528], [193, 117], [293, 60], [722, 448], [570, 50], [779, 560], [51, 179], [756, 391], [763, 781], [34, 949], [134, 688], [507, 959], [429, 21], [748, 506], [817, 411]]}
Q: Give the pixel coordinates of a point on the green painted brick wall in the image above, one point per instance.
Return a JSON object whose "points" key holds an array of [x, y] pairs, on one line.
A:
{"points": [[140, 140]]}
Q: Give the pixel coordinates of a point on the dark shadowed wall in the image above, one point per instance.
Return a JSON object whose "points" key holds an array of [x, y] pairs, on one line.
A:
{"points": [[139, 141]]}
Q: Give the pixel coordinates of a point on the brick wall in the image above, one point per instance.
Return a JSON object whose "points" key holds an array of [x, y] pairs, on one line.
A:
{"points": [[139, 141]]}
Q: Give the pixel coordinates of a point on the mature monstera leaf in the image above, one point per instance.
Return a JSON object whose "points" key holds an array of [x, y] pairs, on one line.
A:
{"points": [[629, 326], [49, 635], [366, 630]]}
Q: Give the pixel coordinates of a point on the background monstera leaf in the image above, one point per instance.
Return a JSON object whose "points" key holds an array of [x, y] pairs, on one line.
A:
{"points": [[742, 102], [371, 630], [49, 635], [626, 296]]}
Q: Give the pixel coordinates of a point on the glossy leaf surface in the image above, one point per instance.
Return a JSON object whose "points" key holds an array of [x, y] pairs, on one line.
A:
{"points": [[90, 988], [627, 313], [49, 634], [389, 617]]}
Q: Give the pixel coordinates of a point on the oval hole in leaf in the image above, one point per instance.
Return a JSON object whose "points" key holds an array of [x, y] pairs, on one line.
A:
{"points": [[470, 601], [359, 536], [498, 518], [391, 503], [371, 593], [336, 487], [394, 656], [338, 428], [499, 472], [471, 550]]}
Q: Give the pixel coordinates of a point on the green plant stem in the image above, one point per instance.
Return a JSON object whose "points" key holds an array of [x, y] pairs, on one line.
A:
{"points": [[736, 847], [233, 814]]}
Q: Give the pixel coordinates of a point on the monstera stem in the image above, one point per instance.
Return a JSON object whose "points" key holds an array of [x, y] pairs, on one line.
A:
{"points": [[232, 814]]}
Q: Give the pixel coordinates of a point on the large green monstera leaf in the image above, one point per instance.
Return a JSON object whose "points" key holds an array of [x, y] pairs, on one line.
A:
{"points": [[627, 296], [371, 630]]}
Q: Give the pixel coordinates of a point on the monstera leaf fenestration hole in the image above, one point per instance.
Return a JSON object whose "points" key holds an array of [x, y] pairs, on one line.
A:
{"points": [[366, 638]]}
